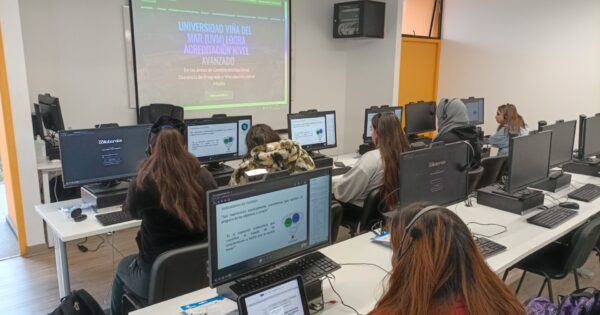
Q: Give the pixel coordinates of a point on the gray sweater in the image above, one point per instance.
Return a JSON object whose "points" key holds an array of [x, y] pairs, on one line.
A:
{"points": [[365, 175]]}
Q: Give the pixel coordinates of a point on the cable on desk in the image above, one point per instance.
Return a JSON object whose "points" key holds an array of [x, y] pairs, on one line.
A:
{"points": [[340, 297], [364, 264], [504, 229]]}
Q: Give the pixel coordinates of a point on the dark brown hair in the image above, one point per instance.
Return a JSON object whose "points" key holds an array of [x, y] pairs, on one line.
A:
{"points": [[391, 141], [174, 171], [440, 264], [512, 120], [260, 134]]}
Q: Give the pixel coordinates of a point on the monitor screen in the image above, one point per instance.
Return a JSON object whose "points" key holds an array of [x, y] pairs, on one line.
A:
{"points": [[218, 139], [591, 142], [260, 224], [313, 130], [286, 297], [529, 160], [420, 117], [474, 110], [370, 112], [563, 138], [49, 109], [38, 127], [438, 174], [97, 155]]}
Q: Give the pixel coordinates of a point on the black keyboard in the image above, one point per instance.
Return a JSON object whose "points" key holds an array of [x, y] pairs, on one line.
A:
{"points": [[551, 217], [312, 267], [340, 170], [488, 248], [111, 218], [587, 193]]}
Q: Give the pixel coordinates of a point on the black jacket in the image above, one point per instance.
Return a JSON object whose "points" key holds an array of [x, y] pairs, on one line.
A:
{"points": [[468, 133]]}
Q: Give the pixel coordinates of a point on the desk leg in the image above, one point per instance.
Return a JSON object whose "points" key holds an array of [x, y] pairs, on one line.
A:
{"points": [[46, 186], [62, 267]]}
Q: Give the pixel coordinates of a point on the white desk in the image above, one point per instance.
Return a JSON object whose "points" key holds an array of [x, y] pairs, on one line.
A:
{"points": [[361, 286], [65, 229]]}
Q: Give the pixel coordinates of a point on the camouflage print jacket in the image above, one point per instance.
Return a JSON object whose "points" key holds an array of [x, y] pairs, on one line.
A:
{"points": [[275, 156]]}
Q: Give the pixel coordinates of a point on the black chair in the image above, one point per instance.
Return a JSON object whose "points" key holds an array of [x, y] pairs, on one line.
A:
{"points": [[493, 168], [359, 219], [559, 259], [151, 113], [174, 273], [337, 212]]}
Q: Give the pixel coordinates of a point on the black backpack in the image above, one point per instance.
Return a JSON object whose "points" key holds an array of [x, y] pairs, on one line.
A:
{"points": [[79, 302]]}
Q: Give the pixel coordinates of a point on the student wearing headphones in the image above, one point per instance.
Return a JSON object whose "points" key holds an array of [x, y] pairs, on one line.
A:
{"points": [[375, 169], [454, 126], [437, 269], [268, 151], [510, 124], [168, 195]]}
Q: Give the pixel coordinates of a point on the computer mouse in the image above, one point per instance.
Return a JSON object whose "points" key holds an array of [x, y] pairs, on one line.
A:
{"points": [[569, 205], [339, 164]]}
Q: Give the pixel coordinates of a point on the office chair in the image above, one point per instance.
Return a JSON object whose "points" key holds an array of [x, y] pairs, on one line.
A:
{"points": [[359, 220], [474, 178], [337, 212], [151, 113], [558, 259], [174, 273], [493, 167]]}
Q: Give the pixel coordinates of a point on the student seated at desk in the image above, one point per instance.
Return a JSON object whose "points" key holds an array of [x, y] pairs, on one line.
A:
{"points": [[272, 153], [437, 269], [168, 195], [375, 169], [454, 126], [510, 124]]}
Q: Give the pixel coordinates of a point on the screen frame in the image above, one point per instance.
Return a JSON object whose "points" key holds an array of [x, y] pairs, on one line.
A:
{"points": [[479, 100], [376, 110], [253, 265], [217, 120], [243, 308], [550, 127], [310, 114], [587, 136], [409, 106], [71, 184], [509, 185]]}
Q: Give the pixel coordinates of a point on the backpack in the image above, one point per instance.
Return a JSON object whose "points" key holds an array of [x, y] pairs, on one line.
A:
{"points": [[540, 306], [584, 301], [79, 302]]}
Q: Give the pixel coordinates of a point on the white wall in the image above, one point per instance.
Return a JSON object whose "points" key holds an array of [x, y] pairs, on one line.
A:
{"points": [[543, 56], [10, 21]]}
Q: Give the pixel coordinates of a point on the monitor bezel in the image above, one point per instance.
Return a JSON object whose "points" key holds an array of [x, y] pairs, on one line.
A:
{"points": [[407, 120], [377, 110], [479, 100], [214, 120], [317, 146], [255, 267], [549, 127], [71, 184], [586, 136], [508, 187]]}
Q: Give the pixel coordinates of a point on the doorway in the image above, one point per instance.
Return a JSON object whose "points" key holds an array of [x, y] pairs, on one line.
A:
{"points": [[9, 246]]}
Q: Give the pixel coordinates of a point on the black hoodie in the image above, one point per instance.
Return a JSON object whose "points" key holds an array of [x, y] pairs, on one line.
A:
{"points": [[468, 133]]}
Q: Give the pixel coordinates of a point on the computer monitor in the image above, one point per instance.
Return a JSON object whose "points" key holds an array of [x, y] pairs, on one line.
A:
{"points": [[589, 139], [437, 174], [49, 110], [38, 126], [370, 112], [103, 154], [563, 138], [475, 110], [285, 297], [313, 130], [528, 160], [217, 139], [255, 226], [420, 117]]}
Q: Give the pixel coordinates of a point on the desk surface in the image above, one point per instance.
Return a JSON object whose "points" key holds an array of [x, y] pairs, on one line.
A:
{"points": [[361, 285], [49, 165]]}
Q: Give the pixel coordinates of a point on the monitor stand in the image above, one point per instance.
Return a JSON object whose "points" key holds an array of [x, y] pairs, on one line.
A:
{"points": [[590, 167], [321, 160], [366, 147], [106, 194], [555, 181], [417, 138], [219, 168], [516, 202]]}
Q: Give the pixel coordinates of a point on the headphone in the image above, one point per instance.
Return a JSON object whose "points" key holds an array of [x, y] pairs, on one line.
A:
{"points": [[414, 232], [77, 215], [166, 122], [444, 106]]}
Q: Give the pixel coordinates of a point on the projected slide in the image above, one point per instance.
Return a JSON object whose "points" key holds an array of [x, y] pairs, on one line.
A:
{"points": [[213, 139], [212, 54], [254, 226], [309, 131]]}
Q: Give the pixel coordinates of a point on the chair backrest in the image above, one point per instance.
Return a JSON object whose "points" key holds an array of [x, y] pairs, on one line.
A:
{"points": [[178, 271], [582, 243], [337, 212], [474, 178], [151, 113], [493, 167], [371, 208]]}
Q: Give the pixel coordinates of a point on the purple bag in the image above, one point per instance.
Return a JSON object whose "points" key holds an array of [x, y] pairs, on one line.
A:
{"points": [[540, 306], [584, 301]]}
